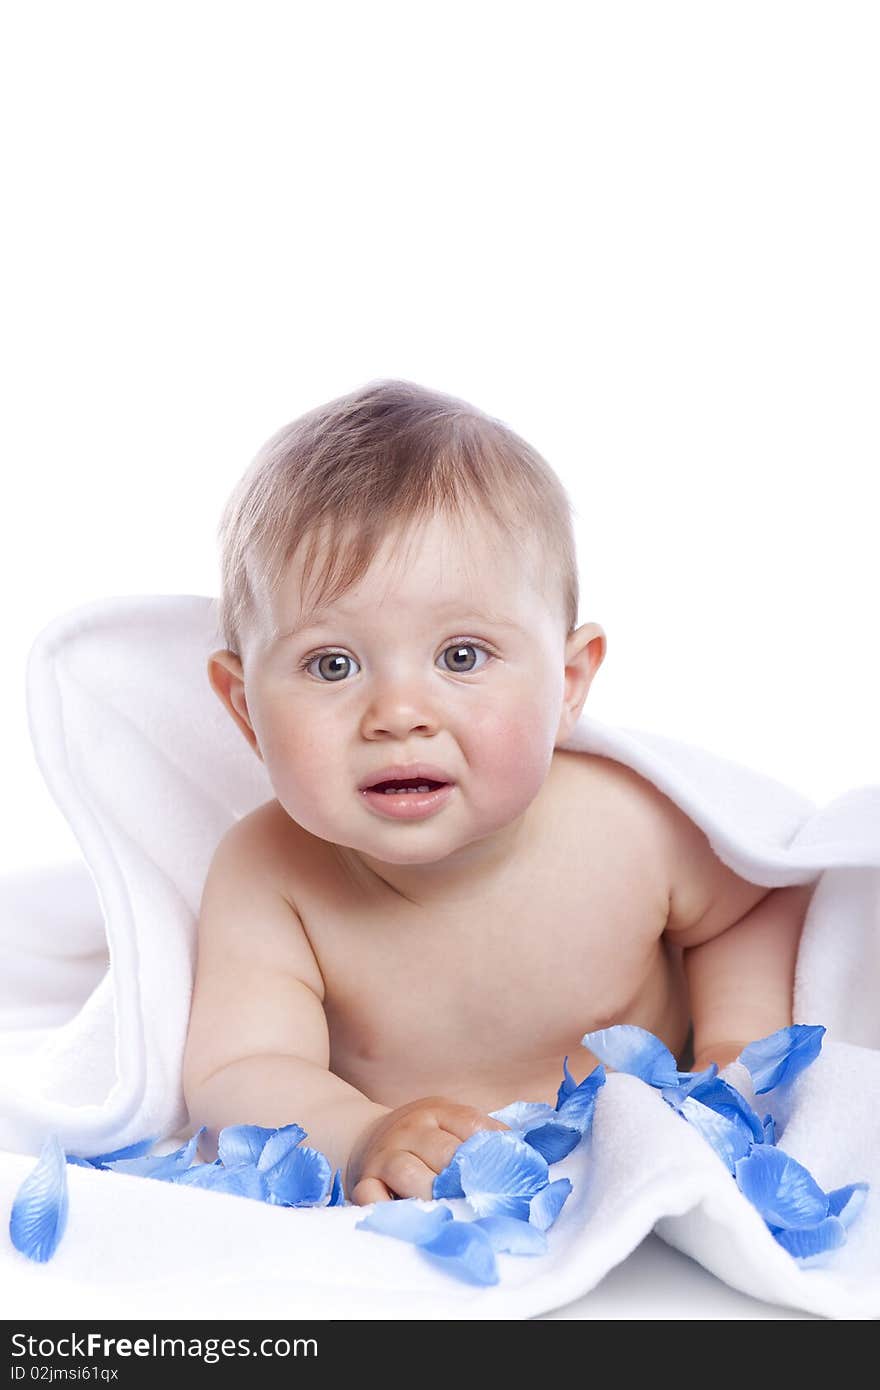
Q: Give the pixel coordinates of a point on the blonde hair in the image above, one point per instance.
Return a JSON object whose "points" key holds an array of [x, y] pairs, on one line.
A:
{"points": [[384, 455]]}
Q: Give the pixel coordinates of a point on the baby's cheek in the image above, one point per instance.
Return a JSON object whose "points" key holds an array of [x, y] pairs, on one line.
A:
{"points": [[513, 750]]}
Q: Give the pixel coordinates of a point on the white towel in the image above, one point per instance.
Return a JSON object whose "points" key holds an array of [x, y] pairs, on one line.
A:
{"points": [[97, 976]]}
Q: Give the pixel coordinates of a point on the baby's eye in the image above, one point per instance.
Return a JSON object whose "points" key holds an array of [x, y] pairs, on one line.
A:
{"points": [[333, 666], [461, 660]]}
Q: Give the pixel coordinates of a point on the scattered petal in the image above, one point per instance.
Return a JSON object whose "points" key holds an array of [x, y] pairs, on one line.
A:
{"points": [[448, 1182], [164, 1167], [553, 1140], [811, 1242], [846, 1202], [546, 1204], [278, 1145], [142, 1146], [576, 1106], [769, 1129], [462, 1249], [729, 1139], [239, 1180], [511, 1236], [779, 1058], [245, 1143], [724, 1099], [524, 1114], [39, 1212], [784, 1192], [501, 1176], [406, 1220], [628, 1048], [300, 1178], [337, 1195]]}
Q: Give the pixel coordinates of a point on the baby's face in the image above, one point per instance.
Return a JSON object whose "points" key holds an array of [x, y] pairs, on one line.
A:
{"points": [[446, 652]]}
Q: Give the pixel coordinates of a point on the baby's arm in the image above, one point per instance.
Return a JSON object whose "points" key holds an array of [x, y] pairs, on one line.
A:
{"points": [[258, 1046], [741, 981], [739, 944]]}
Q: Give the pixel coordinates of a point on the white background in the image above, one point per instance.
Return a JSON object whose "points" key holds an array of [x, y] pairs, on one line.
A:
{"points": [[645, 235]]}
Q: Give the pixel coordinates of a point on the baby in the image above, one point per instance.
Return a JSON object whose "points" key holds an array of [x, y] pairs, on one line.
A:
{"points": [[440, 899]]}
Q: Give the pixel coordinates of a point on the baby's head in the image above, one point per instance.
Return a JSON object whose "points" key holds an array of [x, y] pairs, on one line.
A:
{"points": [[399, 586]]}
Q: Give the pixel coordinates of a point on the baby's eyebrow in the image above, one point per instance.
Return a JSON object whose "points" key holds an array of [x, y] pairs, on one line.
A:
{"points": [[319, 615]]}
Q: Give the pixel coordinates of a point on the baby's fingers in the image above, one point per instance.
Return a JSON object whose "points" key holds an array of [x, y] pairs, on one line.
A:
{"points": [[370, 1190]]}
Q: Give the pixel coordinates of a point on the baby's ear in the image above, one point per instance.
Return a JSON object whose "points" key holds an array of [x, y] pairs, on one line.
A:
{"points": [[584, 653], [226, 676]]}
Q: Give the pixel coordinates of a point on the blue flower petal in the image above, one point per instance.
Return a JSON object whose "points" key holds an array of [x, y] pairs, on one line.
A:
{"points": [[689, 1081], [142, 1146], [405, 1220], [39, 1211], [577, 1105], [337, 1195], [463, 1250], [511, 1236], [810, 1242], [524, 1114], [245, 1143], [769, 1129], [730, 1140], [553, 1140], [784, 1192], [546, 1205], [501, 1176], [300, 1178], [625, 1047], [724, 1099], [239, 1180], [164, 1167], [780, 1057], [846, 1202], [568, 1084], [448, 1182], [81, 1162], [278, 1145]]}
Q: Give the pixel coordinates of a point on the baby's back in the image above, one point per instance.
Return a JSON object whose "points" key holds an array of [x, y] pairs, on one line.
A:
{"points": [[480, 1001]]}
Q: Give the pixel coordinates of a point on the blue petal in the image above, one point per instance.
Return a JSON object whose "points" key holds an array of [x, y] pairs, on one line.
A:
{"points": [[524, 1114], [142, 1146], [81, 1162], [769, 1129], [501, 1176], [463, 1250], [780, 1057], [784, 1192], [689, 1081], [628, 1048], [553, 1140], [39, 1212], [337, 1195], [404, 1219], [511, 1236], [568, 1084], [165, 1167], [448, 1182], [729, 1139], [244, 1143], [240, 1180], [576, 1106], [808, 1242], [278, 1145], [546, 1205], [724, 1099], [301, 1178], [847, 1202]]}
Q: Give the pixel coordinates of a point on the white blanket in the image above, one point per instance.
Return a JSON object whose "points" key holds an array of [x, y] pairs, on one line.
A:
{"points": [[96, 969]]}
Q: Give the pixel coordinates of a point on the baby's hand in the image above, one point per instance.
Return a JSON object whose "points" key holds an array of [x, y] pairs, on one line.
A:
{"points": [[401, 1153]]}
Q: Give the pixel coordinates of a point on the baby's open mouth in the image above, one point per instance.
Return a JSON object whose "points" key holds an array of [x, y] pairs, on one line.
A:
{"points": [[407, 784]]}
